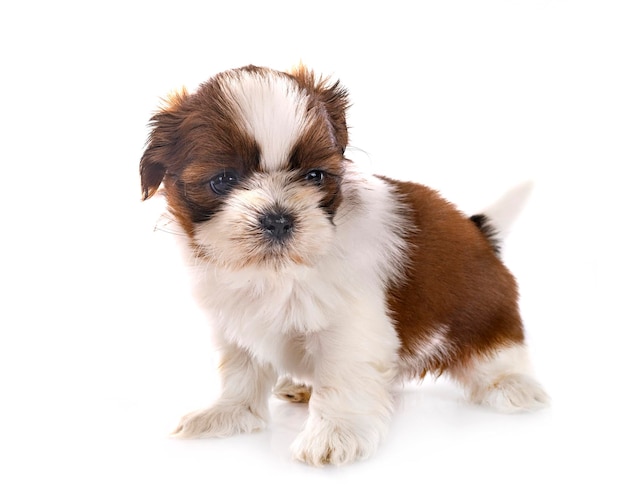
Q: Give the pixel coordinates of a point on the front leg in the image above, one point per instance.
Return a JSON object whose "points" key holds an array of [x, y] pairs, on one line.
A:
{"points": [[243, 405], [351, 402]]}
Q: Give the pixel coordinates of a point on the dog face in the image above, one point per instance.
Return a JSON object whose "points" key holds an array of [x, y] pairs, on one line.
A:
{"points": [[252, 165]]}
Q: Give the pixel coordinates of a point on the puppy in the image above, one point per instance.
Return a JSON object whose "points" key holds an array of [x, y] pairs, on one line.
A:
{"points": [[335, 283]]}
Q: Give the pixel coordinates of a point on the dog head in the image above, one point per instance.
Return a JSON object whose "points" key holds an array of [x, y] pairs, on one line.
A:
{"points": [[252, 165]]}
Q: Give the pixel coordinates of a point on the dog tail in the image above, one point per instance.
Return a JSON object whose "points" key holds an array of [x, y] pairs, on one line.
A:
{"points": [[495, 222]]}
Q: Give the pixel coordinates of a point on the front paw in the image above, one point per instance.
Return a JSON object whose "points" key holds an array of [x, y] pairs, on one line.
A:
{"points": [[325, 442], [220, 420]]}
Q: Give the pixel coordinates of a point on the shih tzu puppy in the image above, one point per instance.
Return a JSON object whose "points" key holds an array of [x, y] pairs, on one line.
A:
{"points": [[323, 283]]}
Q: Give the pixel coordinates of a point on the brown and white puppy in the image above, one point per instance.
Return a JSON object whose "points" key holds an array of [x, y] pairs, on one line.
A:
{"points": [[338, 282]]}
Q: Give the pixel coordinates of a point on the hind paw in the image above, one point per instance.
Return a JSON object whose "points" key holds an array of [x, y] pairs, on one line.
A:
{"points": [[288, 390]]}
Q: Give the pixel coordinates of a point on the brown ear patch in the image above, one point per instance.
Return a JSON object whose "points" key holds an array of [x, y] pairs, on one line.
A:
{"points": [[333, 97], [164, 134]]}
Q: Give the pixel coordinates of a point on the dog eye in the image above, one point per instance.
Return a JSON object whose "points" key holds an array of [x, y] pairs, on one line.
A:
{"points": [[222, 183], [315, 176]]}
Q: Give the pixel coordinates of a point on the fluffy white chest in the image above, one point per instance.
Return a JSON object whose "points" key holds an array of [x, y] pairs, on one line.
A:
{"points": [[277, 317]]}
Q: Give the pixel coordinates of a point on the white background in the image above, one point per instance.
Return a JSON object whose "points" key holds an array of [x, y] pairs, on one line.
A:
{"points": [[101, 345]]}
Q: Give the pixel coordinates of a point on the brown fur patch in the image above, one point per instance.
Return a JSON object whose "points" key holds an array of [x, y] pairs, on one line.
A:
{"points": [[453, 280]]}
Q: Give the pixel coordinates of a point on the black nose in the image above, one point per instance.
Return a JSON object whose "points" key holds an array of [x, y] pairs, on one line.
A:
{"points": [[277, 225]]}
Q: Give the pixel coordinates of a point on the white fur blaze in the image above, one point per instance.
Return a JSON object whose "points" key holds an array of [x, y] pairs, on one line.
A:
{"points": [[273, 111]]}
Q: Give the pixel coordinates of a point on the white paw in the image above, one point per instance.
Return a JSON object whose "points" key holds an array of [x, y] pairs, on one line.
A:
{"points": [[324, 442], [221, 420], [512, 393]]}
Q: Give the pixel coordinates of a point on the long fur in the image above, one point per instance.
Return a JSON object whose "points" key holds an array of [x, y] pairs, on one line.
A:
{"points": [[367, 280]]}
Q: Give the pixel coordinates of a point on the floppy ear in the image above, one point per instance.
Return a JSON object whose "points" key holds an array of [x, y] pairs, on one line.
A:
{"points": [[333, 96], [161, 143]]}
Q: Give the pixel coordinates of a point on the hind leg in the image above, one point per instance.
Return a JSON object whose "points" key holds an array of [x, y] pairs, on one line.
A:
{"points": [[503, 380], [287, 390]]}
